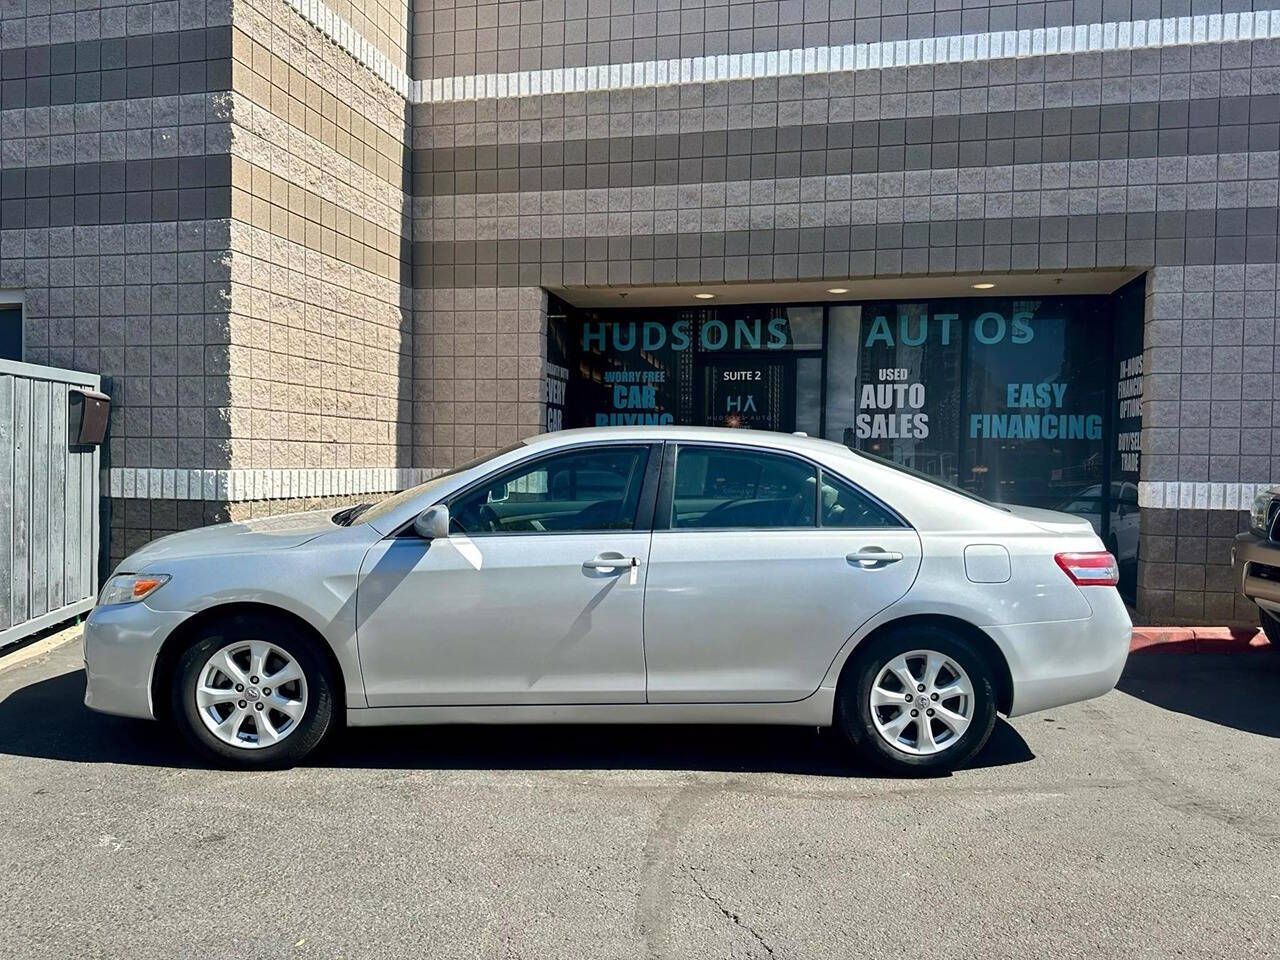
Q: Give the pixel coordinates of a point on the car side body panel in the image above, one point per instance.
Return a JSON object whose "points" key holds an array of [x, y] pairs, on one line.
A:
{"points": [[1044, 626], [503, 619], [757, 615]]}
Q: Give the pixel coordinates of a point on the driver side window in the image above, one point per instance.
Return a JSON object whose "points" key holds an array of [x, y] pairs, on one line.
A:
{"points": [[572, 492]]}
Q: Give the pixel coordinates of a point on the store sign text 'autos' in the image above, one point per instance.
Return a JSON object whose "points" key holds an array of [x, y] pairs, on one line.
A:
{"points": [[988, 328]]}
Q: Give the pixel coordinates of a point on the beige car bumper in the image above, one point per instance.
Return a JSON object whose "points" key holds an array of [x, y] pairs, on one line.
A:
{"points": [[1256, 563]]}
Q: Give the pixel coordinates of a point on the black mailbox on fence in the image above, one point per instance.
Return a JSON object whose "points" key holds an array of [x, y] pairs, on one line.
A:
{"points": [[87, 411]]}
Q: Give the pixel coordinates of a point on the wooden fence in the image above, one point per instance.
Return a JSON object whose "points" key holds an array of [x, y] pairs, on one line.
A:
{"points": [[49, 526]]}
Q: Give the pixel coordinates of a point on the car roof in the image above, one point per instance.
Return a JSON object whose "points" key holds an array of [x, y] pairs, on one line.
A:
{"points": [[656, 434]]}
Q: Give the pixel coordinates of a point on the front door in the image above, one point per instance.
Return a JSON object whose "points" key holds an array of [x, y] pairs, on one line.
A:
{"points": [[766, 568], [536, 597]]}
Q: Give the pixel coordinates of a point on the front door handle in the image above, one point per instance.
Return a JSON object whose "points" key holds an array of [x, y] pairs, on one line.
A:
{"points": [[869, 558], [611, 563]]}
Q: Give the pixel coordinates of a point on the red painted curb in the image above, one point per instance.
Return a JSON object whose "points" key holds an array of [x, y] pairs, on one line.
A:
{"points": [[1197, 640]]}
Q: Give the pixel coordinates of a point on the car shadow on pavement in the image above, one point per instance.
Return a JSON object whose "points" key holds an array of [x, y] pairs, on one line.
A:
{"points": [[705, 747], [48, 719], [1236, 690]]}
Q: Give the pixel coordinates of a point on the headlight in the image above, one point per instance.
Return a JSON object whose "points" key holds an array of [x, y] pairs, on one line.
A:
{"points": [[131, 587], [1258, 513]]}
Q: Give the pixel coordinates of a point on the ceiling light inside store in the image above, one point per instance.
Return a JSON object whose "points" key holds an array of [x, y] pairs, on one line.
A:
{"points": [[983, 286], [705, 296], [838, 290]]}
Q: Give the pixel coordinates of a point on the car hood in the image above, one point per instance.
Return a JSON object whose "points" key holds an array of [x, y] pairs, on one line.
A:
{"points": [[247, 536], [1054, 521]]}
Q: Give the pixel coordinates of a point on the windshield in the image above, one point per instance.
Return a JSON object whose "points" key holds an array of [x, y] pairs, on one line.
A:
{"points": [[396, 500], [919, 475]]}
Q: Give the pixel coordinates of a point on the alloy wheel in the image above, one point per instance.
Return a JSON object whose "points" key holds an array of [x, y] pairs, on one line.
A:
{"points": [[922, 702], [252, 694]]}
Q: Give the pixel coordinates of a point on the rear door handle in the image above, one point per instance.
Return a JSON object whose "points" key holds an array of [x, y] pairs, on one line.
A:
{"points": [[870, 558], [611, 563]]}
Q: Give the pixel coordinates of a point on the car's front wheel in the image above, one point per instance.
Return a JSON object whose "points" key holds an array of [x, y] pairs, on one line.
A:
{"points": [[1270, 624], [252, 690], [917, 700]]}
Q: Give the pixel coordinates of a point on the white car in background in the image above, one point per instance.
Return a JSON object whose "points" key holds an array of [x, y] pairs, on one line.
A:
{"points": [[620, 575], [1122, 538]]}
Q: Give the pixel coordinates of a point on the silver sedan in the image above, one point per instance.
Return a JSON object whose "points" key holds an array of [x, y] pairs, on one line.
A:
{"points": [[621, 575]]}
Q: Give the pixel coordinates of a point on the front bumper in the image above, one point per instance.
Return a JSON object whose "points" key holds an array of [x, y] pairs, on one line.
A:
{"points": [[120, 647], [1255, 562], [1066, 661]]}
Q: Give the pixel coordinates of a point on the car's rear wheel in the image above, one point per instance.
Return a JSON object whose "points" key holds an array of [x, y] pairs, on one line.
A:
{"points": [[1270, 624], [252, 690], [917, 700]]}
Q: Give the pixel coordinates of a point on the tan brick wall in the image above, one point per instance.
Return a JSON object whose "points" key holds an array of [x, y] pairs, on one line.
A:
{"points": [[384, 23], [478, 373], [321, 356]]}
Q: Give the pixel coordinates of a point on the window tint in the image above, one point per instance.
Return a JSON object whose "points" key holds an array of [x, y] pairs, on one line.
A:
{"points": [[595, 489], [717, 487], [843, 506]]}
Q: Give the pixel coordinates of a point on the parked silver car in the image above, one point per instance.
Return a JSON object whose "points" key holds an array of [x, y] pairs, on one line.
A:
{"points": [[633, 575]]}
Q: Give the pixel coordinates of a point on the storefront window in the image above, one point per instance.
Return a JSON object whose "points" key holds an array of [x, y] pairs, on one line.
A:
{"points": [[1012, 399], [906, 403]]}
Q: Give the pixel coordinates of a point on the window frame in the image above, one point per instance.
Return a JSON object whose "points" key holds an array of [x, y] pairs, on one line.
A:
{"points": [[644, 505], [17, 298], [664, 508]]}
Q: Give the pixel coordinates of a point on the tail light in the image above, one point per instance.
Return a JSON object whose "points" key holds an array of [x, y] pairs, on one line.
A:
{"points": [[1090, 569]]}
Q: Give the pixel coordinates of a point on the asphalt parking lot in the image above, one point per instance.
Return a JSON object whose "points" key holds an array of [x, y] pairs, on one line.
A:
{"points": [[1144, 824]]}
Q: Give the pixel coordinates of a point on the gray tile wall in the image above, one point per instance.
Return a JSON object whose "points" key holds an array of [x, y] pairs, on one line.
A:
{"points": [[114, 189], [1165, 160], [114, 194], [1185, 572], [459, 37], [479, 354]]}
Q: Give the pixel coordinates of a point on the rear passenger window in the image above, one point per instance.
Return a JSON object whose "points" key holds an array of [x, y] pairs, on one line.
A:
{"points": [[741, 489], [843, 506]]}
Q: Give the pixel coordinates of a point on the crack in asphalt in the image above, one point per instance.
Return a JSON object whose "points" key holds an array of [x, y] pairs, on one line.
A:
{"points": [[730, 915], [653, 912]]}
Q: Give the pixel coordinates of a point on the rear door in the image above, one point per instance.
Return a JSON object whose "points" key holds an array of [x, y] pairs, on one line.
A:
{"points": [[762, 565]]}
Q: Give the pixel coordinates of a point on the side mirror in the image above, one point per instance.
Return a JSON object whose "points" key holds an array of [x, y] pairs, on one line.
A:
{"points": [[433, 523]]}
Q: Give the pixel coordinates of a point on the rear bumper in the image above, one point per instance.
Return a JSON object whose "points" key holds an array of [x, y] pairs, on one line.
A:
{"points": [[1065, 661], [1255, 563], [120, 647]]}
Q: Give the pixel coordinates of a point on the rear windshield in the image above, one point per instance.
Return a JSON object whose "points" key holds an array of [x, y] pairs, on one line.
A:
{"points": [[919, 475]]}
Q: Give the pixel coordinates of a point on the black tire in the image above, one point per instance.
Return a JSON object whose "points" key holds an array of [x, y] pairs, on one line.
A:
{"points": [[1270, 624], [853, 706], [317, 719]]}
